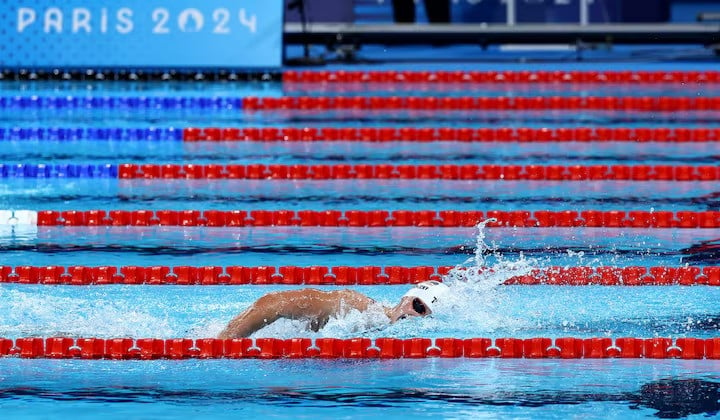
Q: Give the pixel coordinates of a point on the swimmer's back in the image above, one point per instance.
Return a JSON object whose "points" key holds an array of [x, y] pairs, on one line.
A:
{"points": [[314, 302], [312, 305]]}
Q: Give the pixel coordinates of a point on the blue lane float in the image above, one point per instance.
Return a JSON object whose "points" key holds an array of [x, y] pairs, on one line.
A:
{"points": [[91, 133], [118, 102], [22, 170]]}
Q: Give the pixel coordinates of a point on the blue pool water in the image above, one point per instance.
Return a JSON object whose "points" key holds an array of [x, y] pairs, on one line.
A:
{"points": [[409, 388], [492, 388]]}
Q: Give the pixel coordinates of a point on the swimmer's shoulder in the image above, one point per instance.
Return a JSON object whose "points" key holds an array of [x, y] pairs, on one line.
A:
{"points": [[347, 295], [292, 295], [353, 295]]}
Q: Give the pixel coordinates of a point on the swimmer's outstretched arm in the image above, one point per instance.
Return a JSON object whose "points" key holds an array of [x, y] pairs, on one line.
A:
{"points": [[310, 304], [263, 312]]}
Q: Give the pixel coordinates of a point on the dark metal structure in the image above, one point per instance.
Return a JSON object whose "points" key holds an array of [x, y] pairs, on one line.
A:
{"points": [[330, 34]]}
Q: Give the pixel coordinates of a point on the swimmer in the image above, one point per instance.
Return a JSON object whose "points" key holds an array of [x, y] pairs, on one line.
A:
{"points": [[317, 307]]}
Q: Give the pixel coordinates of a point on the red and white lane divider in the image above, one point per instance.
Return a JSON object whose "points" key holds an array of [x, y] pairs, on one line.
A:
{"points": [[360, 348], [344, 275], [500, 77], [446, 172], [373, 218], [485, 103], [427, 134]]}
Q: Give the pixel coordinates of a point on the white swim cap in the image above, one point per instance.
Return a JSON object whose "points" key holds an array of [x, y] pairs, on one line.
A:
{"points": [[429, 292]]}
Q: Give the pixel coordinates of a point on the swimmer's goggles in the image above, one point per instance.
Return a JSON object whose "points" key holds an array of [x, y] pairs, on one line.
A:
{"points": [[419, 307]]}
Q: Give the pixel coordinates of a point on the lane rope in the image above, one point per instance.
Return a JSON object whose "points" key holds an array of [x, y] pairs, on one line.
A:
{"points": [[91, 76], [386, 171], [345, 275], [501, 77], [70, 102], [360, 348], [670, 104], [291, 77], [370, 218], [66, 170], [365, 171], [427, 134], [497, 103], [364, 134], [91, 133]]}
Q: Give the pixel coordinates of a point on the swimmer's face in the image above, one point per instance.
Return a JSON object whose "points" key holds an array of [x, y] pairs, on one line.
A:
{"points": [[409, 306]]}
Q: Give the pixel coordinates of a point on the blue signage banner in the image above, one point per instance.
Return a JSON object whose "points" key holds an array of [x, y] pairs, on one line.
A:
{"points": [[141, 33]]}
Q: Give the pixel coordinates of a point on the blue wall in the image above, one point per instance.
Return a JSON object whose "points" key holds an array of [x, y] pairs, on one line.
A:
{"points": [[140, 33]]}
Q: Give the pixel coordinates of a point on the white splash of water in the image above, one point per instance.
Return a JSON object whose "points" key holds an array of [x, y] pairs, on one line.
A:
{"points": [[372, 322], [475, 271], [35, 314], [475, 300], [474, 305]]}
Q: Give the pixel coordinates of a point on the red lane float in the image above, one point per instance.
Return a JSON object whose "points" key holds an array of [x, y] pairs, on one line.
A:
{"points": [[381, 218], [344, 275], [463, 134], [446, 172], [360, 348], [500, 77], [484, 103]]}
